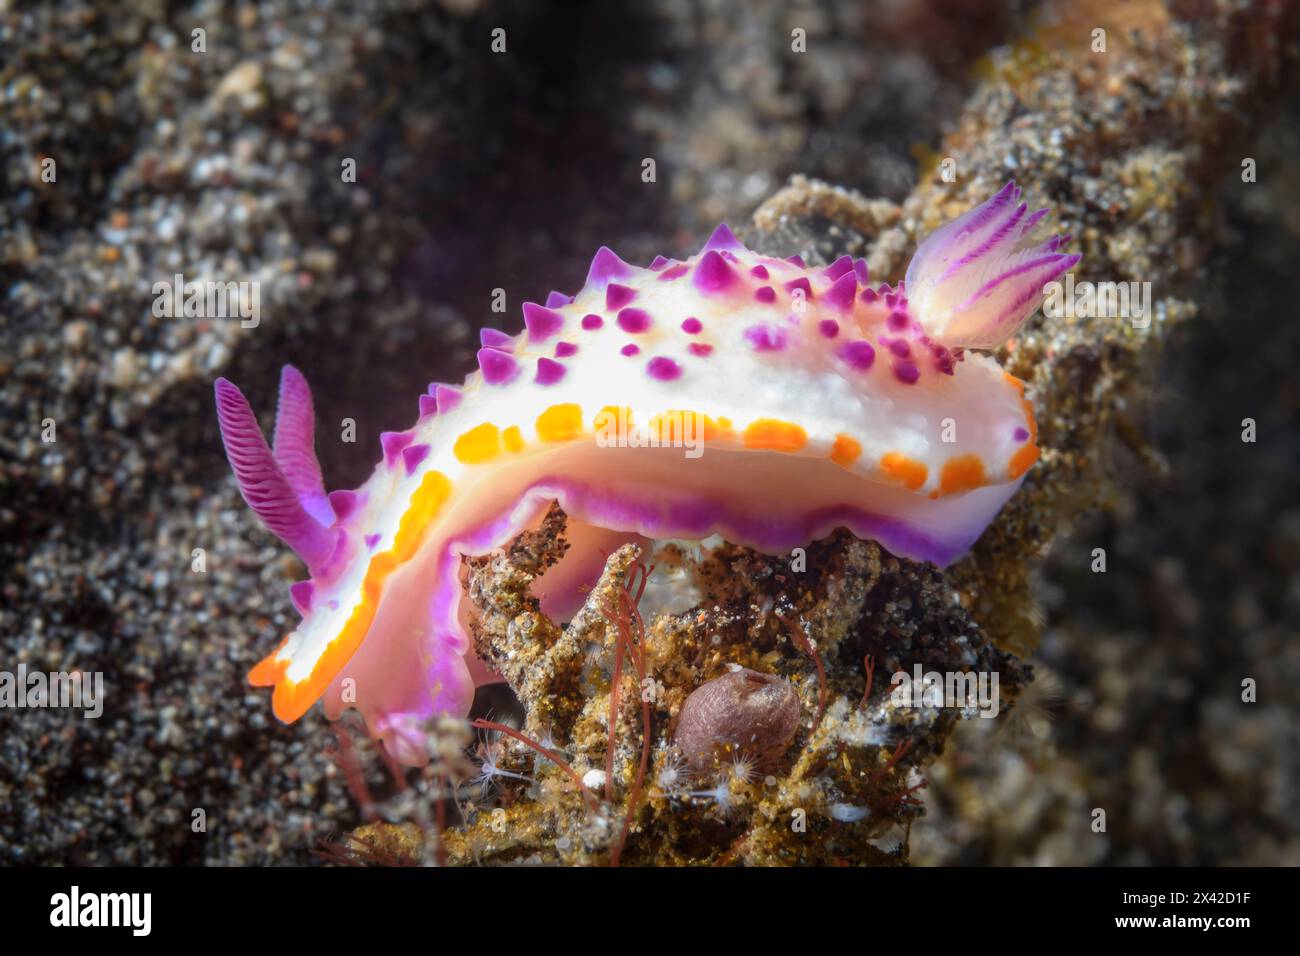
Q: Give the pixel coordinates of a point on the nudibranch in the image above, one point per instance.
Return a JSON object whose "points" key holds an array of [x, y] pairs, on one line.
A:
{"points": [[731, 393]]}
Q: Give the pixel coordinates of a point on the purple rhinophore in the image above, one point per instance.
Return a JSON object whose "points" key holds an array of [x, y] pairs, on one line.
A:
{"points": [[829, 328], [412, 456], [541, 322], [495, 339], [838, 268], [634, 321], [592, 321], [906, 372], [549, 371], [605, 267], [617, 296], [765, 294], [663, 369], [394, 443], [766, 338], [630, 349], [713, 274], [565, 350], [498, 367], [294, 444], [692, 325], [857, 354]]}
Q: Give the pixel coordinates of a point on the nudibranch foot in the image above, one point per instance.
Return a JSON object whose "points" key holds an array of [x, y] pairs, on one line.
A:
{"points": [[731, 393]]}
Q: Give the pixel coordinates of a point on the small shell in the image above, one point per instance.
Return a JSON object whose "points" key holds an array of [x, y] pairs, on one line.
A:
{"points": [[741, 712]]}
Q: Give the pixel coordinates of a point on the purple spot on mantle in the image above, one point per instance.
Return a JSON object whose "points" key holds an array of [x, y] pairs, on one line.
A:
{"points": [[663, 369], [565, 349], [766, 338], [630, 350], [765, 294], [549, 371], [802, 284], [900, 348], [897, 321], [829, 328], [700, 349], [592, 321], [1021, 435], [634, 320], [858, 354], [906, 372], [759, 272], [371, 541], [692, 326], [617, 296]]}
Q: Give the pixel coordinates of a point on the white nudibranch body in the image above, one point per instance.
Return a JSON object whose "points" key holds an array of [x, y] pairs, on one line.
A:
{"points": [[731, 393]]}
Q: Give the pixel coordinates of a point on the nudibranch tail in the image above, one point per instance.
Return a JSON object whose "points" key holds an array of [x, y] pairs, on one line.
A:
{"points": [[976, 280], [730, 393]]}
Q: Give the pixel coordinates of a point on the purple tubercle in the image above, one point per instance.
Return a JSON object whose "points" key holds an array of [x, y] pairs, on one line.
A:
{"points": [[700, 348], [541, 322], [634, 321], [692, 326], [801, 283], [1020, 435], [630, 349], [906, 372], [617, 296], [498, 367], [839, 267], [897, 321], [797, 260], [263, 483], [663, 369], [371, 540], [657, 263], [713, 274], [869, 295], [829, 328], [841, 294], [549, 371], [412, 456], [565, 350], [900, 349], [674, 272], [606, 267], [861, 271], [592, 321], [760, 272], [724, 240], [344, 503], [858, 354], [766, 338], [428, 406], [557, 300], [448, 397], [394, 443], [300, 592], [495, 339], [765, 294]]}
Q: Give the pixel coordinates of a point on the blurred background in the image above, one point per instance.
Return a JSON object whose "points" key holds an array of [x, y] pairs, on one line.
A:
{"points": [[479, 170]]}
